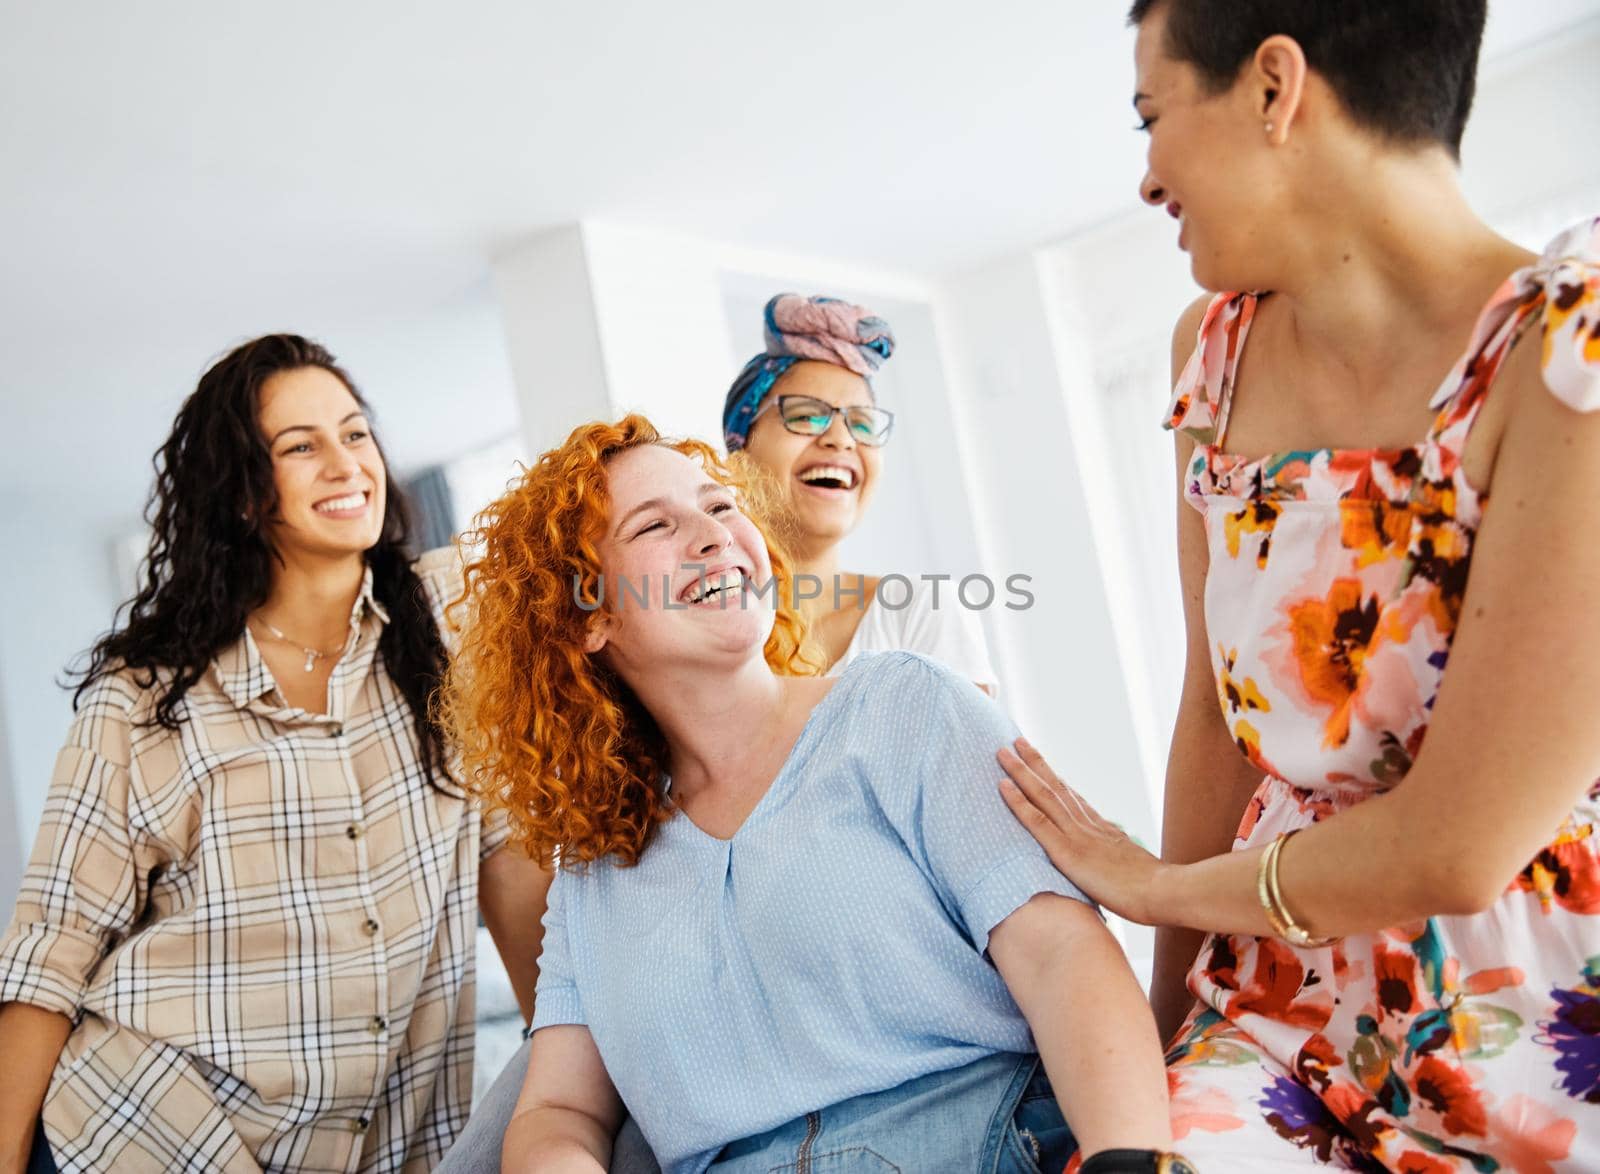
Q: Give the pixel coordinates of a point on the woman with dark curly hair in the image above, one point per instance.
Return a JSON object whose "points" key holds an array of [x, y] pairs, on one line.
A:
{"points": [[792, 921], [245, 937]]}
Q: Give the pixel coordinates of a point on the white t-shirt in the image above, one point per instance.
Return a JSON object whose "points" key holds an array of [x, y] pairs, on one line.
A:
{"points": [[947, 631]]}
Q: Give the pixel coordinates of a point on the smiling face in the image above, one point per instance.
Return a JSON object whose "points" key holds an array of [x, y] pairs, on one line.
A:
{"points": [[829, 478], [326, 467], [1227, 214], [668, 520]]}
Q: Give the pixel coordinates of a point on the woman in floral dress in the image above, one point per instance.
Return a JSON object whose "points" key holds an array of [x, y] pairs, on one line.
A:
{"points": [[1394, 646]]}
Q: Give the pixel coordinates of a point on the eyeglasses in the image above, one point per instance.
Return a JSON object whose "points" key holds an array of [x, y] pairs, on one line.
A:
{"points": [[805, 416]]}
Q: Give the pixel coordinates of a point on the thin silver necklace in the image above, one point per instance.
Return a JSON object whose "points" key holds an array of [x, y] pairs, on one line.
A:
{"points": [[312, 654]]}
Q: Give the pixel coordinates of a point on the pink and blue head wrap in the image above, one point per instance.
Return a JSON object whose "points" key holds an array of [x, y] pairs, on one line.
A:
{"points": [[826, 329]]}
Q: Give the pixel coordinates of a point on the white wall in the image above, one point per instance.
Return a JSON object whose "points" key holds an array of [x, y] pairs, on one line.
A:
{"points": [[1115, 293], [1529, 145], [12, 846], [55, 598], [547, 313], [1027, 488]]}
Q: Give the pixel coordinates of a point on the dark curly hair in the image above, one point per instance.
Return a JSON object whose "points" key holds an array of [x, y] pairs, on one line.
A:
{"points": [[210, 564]]}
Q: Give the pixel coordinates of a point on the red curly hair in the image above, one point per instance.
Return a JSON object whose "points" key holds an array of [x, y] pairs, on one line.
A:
{"points": [[546, 731]]}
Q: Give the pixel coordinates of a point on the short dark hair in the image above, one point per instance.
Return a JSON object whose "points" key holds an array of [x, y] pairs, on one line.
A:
{"points": [[1406, 69]]}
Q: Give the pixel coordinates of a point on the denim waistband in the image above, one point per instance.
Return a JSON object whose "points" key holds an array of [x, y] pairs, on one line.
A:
{"points": [[956, 1120]]}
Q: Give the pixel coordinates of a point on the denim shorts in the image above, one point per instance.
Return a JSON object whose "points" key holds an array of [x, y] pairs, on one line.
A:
{"points": [[993, 1116], [996, 1116]]}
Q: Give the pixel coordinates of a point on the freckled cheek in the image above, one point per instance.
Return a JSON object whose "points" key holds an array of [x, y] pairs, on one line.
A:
{"points": [[749, 537], [624, 570]]}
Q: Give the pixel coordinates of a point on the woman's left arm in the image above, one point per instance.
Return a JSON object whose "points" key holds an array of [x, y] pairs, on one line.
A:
{"points": [[1090, 1021], [512, 893], [1513, 742]]}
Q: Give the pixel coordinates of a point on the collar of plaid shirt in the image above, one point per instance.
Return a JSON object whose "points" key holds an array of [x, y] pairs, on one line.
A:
{"points": [[245, 679]]}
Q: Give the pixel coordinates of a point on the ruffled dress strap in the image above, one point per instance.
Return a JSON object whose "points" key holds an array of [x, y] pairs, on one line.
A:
{"points": [[1204, 391], [1561, 293], [1571, 279]]}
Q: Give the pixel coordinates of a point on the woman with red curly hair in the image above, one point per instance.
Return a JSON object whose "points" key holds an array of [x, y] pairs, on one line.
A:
{"points": [[791, 917]]}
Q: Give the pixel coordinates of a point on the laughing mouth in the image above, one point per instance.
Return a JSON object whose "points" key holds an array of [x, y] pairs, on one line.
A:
{"points": [[716, 588], [830, 477]]}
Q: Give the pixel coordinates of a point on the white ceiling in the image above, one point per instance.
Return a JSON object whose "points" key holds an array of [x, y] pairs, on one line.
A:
{"points": [[180, 175]]}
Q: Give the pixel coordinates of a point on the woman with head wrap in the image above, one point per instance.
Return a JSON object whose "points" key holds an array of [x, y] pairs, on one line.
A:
{"points": [[804, 413]]}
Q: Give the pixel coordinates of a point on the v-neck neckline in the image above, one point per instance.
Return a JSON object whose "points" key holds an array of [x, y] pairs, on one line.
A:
{"points": [[699, 834]]}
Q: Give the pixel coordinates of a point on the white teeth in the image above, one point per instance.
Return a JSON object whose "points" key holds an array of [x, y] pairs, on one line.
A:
{"points": [[705, 589], [839, 473], [354, 502]]}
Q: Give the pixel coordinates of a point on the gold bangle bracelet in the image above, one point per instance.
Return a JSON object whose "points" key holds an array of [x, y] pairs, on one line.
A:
{"points": [[1263, 893], [1264, 872], [1282, 921]]}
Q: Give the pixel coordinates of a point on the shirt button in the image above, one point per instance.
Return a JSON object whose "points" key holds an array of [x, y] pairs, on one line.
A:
{"points": [[378, 1025], [371, 926], [360, 1124], [335, 731], [354, 831]]}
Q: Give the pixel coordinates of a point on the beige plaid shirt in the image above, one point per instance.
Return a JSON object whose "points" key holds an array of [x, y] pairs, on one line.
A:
{"points": [[263, 923]]}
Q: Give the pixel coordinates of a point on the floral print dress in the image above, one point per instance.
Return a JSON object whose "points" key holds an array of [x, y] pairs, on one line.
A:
{"points": [[1334, 586]]}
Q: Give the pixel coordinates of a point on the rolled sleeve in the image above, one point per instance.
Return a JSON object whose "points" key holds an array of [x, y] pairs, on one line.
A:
{"points": [[47, 965], [557, 1006], [556, 1001], [1008, 887], [81, 890]]}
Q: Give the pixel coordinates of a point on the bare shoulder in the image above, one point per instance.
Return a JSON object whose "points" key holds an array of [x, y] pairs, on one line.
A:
{"points": [[1185, 339], [1547, 391], [1523, 415], [1186, 334], [1532, 413]]}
